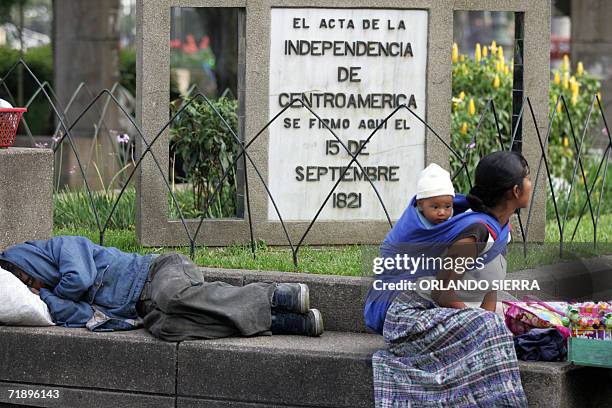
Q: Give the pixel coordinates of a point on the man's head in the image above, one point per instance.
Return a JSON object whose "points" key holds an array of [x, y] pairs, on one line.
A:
{"points": [[435, 193], [24, 277]]}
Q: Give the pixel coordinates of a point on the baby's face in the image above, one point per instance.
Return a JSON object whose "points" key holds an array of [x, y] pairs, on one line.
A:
{"points": [[436, 209]]}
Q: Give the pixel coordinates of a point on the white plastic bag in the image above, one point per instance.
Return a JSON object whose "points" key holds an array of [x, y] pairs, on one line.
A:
{"points": [[4, 104], [19, 306]]}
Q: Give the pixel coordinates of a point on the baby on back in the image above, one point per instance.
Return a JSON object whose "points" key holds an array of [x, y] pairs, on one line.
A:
{"points": [[435, 193]]}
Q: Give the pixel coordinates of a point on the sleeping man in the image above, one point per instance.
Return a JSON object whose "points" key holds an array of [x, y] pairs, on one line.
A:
{"points": [[105, 289]]}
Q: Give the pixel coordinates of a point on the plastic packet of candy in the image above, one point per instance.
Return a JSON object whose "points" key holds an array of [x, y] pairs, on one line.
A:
{"points": [[589, 320]]}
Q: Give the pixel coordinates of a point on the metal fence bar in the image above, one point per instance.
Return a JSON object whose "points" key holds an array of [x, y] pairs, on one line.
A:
{"points": [[537, 177], [243, 154], [579, 164], [62, 121]]}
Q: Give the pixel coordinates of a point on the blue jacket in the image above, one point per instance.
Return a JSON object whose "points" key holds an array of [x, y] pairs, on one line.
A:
{"points": [[410, 236], [93, 286]]}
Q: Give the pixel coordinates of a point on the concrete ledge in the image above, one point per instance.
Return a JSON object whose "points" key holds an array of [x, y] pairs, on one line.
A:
{"points": [[56, 356], [80, 398], [199, 403], [334, 370], [566, 385], [133, 369]]}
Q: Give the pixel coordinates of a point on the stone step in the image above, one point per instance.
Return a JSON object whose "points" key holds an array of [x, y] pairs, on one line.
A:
{"points": [[119, 369], [132, 369], [333, 370]]}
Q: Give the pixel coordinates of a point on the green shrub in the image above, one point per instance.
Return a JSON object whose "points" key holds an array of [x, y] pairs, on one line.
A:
{"points": [[476, 80], [206, 148], [578, 89], [489, 75], [198, 59], [72, 209], [577, 201], [127, 69], [40, 116]]}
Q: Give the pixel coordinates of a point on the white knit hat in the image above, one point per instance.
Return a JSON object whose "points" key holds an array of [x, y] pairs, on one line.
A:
{"points": [[434, 181]]}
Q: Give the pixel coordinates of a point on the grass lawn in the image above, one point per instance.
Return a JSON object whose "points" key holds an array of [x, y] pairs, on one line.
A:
{"points": [[355, 260], [342, 260]]}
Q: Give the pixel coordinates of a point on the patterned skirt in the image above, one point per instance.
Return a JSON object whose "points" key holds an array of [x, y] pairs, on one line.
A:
{"points": [[439, 357]]}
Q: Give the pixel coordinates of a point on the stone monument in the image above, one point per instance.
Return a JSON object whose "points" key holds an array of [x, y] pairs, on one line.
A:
{"points": [[340, 66]]}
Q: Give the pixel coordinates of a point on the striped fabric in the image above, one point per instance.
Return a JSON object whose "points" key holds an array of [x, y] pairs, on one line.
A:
{"points": [[440, 357]]}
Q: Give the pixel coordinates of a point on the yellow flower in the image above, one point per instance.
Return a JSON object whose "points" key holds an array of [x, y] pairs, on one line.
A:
{"points": [[477, 53], [574, 99], [456, 103], [566, 63], [471, 107], [461, 57], [496, 81], [559, 108], [455, 53], [575, 87], [506, 70], [462, 95], [580, 69], [565, 141], [485, 52], [565, 80], [582, 177], [500, 53], [493, 47], [498, 66], [557, 78], [464, 128], [599, 95]]}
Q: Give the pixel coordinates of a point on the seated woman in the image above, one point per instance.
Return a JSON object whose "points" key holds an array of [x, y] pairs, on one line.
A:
{"points": [[441, 352]]}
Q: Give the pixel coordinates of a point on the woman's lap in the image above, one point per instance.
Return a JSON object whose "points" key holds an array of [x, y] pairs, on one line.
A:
{"points": [[439, 356]]}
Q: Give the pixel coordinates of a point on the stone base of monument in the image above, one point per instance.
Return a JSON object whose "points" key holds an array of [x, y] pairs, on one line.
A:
{"points": [[78, 368], [26, 195]]}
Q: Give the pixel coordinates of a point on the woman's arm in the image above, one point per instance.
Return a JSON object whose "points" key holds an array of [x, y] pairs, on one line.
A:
{"points": [[490, 301], [462, 248]]}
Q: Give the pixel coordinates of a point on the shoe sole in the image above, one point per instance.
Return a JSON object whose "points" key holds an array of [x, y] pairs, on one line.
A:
{"points": [[303, 299], [318, 322]]}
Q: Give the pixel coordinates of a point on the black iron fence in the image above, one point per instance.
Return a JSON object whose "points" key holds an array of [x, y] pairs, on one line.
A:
{"points": [[526, 117]]}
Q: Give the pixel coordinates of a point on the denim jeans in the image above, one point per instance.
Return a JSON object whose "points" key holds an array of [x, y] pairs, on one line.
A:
{"points": [[178, 304]]}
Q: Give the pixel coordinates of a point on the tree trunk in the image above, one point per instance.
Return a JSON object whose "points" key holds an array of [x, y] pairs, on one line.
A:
{"points": [[221, 24], [86, 50]]}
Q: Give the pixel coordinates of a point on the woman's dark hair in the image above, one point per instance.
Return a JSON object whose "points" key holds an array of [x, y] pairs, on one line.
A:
{"points": [[496, 173]]}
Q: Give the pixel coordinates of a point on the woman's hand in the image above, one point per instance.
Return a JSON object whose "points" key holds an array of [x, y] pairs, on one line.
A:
{"points": [[463, 248], [490, 301]]}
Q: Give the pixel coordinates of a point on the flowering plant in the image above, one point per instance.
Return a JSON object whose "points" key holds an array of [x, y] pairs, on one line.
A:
{"points": [[488, 75]]}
